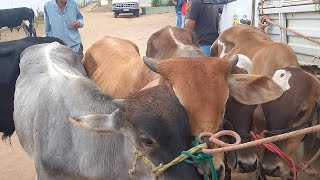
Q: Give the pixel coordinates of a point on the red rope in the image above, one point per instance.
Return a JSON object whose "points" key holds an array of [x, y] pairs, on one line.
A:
{"points": [[273, 148]]}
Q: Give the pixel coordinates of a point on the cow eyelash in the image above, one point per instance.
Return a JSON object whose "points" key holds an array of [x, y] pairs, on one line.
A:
{"points": [[147, 141]]}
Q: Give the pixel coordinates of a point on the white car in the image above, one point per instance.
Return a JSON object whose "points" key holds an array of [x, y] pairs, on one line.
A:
{"points": [[125, 6]]}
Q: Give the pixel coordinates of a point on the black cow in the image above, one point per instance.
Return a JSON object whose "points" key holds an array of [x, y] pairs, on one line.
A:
{"points": [[9, 71], [15, 17]]}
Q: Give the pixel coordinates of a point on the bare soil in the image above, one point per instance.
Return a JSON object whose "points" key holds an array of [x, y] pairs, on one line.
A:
{"points": [[15, 164]]}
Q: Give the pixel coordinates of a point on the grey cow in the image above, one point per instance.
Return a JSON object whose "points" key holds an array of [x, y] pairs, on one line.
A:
{"points": [[53, 86]]}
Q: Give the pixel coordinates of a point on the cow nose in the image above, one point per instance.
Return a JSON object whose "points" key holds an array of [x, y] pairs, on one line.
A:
{"points": [[205, 139], [220, 172], [245, 168], [271, 172]]}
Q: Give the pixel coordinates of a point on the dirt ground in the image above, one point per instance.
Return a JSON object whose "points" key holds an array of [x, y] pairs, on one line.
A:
{"points": [[15, 165]]}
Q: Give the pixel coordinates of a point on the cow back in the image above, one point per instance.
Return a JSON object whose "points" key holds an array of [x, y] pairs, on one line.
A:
{"points": [[116, 66]]}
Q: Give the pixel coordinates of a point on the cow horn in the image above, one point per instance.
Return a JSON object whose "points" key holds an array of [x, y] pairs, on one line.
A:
{"points": [[120, 103], [233, 61], [151, 63]]}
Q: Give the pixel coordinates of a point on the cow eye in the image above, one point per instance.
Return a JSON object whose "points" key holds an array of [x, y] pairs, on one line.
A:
{"points": [[147, 141], [302, 113]]}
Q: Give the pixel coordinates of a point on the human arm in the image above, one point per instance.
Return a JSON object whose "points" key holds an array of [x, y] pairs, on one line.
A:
{"points": [[79, 23], [190, 24], [47, 22], [80, 18], [174, 2], [194, 15]]}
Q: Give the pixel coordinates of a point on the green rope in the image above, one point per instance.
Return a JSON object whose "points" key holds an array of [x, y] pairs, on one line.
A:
{"points": [[199, 160]]}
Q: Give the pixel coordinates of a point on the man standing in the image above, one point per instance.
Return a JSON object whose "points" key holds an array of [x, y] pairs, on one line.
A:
{"points": [[178, 13], [62, 20], [203, 19]]}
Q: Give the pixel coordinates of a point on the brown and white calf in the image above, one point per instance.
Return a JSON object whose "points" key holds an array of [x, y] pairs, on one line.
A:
{"points": [[261, 56]]}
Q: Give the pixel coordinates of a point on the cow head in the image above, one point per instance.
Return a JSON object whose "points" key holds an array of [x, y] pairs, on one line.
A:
{"points": [[203, 86], [173, 42], [239, 117], [292, 110], [155, 122]]}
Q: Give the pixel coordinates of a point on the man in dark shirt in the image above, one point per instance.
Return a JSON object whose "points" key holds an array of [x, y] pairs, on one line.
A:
{"points": [[204, 21]]}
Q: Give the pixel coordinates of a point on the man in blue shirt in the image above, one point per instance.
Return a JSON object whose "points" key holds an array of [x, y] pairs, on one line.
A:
{"points": [[62, 20]]}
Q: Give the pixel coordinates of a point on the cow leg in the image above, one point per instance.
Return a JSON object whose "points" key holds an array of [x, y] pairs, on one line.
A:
{"points": [[24, 27], [34, 32]]}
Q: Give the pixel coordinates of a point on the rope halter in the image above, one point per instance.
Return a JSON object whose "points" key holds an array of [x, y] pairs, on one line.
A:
{"points": [[158, 170], [198, 159]]}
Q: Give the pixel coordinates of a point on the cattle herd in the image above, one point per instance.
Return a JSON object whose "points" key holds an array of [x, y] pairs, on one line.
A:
{"points": [[84, 119]]}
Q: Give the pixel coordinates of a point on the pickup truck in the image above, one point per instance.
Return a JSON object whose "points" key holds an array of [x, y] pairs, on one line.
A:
{"points": [[125, 6]]}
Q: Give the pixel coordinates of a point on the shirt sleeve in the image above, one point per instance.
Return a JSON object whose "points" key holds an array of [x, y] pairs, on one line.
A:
{"points": [[47, 22], [195, 11], [80, 18]]}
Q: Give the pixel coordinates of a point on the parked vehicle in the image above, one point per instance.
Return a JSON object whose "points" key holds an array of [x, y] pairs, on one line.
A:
{"points": [[125, 6]]}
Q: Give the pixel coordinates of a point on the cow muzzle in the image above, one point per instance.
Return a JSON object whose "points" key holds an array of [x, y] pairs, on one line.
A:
{"points": [[274, 166], [217, 161], [243, 161]]}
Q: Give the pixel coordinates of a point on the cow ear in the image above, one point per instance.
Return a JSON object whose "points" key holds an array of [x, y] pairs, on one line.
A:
{"points": [[253, 89], [151, 63], [101, 123]]}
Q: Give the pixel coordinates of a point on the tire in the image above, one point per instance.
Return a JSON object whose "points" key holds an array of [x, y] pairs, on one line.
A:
{"points": [[115, 14], [137, 13]]}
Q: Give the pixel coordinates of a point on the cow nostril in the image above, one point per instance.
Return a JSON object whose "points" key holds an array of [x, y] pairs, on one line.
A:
{"points": [[205, 139], [245, 168], [270, 172], [220, 171]]}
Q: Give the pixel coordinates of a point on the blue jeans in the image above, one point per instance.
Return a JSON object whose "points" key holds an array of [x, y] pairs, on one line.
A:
{"points": [[206, 49], [179, 19]]}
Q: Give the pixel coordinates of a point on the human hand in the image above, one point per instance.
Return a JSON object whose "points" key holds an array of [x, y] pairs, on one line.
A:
{"points": [[75, 25]]}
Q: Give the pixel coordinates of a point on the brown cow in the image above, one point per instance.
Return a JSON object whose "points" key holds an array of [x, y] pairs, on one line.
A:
{"points": [[272, 59], [171, 42], [202, 87], [116, 66]]}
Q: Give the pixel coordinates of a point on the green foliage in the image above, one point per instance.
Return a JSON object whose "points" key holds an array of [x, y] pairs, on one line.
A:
{"points": [[170, 3], [156, 3]]}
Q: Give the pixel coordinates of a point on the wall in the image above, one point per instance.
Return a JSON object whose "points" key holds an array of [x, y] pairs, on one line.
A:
{"points": [[298, 15], [301, 17], [103, 2]]}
